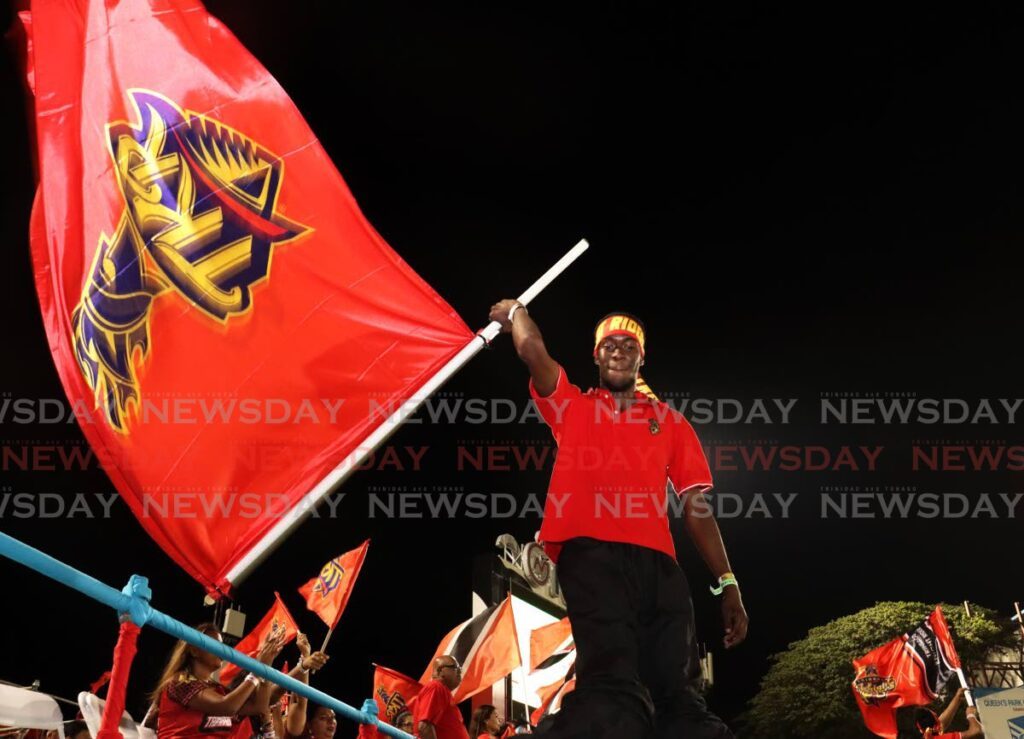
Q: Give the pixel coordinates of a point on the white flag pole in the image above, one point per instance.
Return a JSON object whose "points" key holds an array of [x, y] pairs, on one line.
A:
{"points": [[287, 522]]}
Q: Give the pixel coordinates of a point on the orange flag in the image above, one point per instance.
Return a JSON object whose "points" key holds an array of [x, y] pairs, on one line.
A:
{"points": [[327, 593], [392, 690], [548, 641], [486, 646], [277, 618]]}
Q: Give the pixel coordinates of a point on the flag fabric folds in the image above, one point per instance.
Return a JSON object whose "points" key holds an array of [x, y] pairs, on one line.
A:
{"points": [[327, 594], [486, 646], [908, 671], [392, 691], [276, 620], [225, 322], [552, 695], [550, 644]]}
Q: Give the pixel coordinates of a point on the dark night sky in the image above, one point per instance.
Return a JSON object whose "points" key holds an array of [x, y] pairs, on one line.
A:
{"points": [[800, 200]]}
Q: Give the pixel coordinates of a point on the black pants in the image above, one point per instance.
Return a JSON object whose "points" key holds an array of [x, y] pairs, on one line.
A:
{"points": [[636, 663]]}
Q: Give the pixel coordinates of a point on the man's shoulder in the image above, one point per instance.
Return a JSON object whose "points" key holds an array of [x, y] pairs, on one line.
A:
{"points": [[434, 687]]}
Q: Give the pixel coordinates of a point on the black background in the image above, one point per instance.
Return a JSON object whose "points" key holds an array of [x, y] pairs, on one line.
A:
{"points": [[796, 200]]}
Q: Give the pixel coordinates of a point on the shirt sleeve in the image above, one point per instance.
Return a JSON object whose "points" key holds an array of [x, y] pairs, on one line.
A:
{"points": [[688, 468], [431, 703], [183, 691], [554, 407]]}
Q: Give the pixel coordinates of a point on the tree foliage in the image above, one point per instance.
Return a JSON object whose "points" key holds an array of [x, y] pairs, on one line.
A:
{"points": [[806, 692]]}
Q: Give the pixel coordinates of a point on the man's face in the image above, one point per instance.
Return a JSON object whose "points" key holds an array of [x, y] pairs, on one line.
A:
{"points": [[618, 360], [450, 672]]}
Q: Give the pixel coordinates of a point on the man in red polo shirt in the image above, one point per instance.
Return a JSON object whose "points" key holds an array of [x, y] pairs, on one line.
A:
{"points": [[606, 525], [434, 715]]}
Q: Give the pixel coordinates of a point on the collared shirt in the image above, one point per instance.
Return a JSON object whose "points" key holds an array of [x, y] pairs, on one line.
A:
{"points": [[610, 475], [434, 705]]}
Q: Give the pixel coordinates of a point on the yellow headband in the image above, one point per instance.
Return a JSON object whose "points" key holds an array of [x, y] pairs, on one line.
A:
{"points": [[618, 325]]}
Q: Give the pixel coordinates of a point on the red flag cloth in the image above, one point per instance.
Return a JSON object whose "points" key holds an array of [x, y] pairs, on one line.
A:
{"points": [[174, 171], [551, 698], [124, 653], [908, 671], [550, 640], [327, 594], [486, 646], [392, 690], [278, 618]]}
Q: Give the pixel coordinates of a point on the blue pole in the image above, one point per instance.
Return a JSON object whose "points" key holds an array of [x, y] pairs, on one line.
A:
{"points": [[134, 600]]}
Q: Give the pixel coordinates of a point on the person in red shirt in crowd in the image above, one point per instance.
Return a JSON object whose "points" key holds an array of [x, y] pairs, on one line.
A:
{"points": [[433, 713], [487, 724], [930, 726], [191, 705], [606, 526]]}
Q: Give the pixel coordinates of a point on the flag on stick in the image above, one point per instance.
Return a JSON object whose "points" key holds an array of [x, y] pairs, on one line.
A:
{"points": [[486, 646], [327, 594], [277, 620], [392, 690], [174, 172], [908, 671]]}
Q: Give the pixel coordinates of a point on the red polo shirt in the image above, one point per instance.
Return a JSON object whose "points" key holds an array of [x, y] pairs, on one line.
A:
{"points": [[434, 705], [610, 474]]}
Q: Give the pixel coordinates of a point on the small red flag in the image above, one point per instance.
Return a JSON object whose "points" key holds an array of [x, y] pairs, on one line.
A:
{"points": [[908, 671], [392, 690], [277, 618], [327, 594]]}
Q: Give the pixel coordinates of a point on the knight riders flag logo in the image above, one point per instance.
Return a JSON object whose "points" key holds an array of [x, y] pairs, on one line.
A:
{"points": [[199, 218], [277, 620], [392, 691], [225, 322], [327, 594], [909, 671]]}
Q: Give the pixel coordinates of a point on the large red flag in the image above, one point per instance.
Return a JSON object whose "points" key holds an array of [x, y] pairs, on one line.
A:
{"points": [[486, 646], [276, 620], [908, 671], [174, 171], [327, 594]]}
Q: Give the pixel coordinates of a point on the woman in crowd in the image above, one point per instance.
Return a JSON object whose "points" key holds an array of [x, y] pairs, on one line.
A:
{"points": [[486, 723], [191, 705], [321, 723]]}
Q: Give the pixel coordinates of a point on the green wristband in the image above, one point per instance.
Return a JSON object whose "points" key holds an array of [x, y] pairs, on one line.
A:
{"points": [[722, 585]]}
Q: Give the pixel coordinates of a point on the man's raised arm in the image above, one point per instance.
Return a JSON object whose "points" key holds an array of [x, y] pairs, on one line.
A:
{"points": [[528, 343]]}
